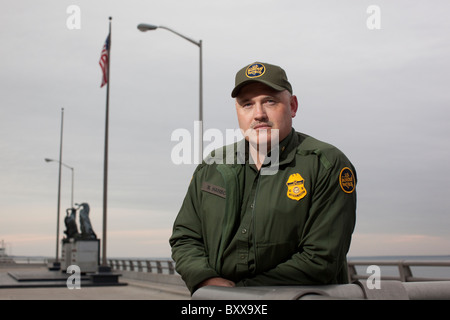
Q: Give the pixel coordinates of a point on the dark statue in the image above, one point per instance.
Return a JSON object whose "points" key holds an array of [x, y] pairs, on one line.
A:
{"points": [[87, 233], [85, 223], [71, 224]]}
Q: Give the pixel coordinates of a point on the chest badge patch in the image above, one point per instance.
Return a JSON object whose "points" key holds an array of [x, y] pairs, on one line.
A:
{"points": [[347, 180], [296, 187]]}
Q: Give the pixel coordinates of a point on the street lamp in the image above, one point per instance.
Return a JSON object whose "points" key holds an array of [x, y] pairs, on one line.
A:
{"points": [[71, 168], [147, 27], [56, 264]]}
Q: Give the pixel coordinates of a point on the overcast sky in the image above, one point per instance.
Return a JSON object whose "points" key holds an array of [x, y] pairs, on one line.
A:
{"points": [[380, 95]]}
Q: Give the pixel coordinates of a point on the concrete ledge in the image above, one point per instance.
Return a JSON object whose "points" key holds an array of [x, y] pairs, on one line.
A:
{"points": [[170, 283], [42, 278]]}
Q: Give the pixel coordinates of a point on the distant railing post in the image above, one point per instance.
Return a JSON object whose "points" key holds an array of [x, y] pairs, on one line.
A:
{"points": [[158, 267], [404, 271], [149, 265], [171, 268]]}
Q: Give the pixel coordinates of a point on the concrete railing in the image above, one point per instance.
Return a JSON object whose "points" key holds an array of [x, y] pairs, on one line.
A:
{"points": [[388, 290], [396, 281]]}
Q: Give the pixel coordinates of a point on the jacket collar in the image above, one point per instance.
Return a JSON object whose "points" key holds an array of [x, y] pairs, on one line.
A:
{"points": [[287, 150]]}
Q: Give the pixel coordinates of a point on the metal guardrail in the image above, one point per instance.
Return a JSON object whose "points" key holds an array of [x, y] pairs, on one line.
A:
{"points": [[23, 260], [404, 269], [143, 265]]}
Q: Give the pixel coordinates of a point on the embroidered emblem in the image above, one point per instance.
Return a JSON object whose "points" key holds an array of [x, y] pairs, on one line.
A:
{"points": [[347, 180], [255, 70], [296, 187], [218, 191]]}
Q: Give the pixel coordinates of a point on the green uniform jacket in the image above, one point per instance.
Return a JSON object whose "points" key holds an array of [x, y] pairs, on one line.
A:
{"points": [[288, 226]]}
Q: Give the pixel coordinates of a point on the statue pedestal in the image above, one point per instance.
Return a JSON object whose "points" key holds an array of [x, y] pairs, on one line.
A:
{"points": [[83, 253], [66, 254]]}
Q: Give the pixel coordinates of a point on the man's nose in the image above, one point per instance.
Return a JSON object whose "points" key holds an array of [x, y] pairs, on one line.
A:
{"points": [[260, 112]]}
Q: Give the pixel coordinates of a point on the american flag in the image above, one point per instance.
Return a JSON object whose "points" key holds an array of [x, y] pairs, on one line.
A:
{"points": [[104, 62]]}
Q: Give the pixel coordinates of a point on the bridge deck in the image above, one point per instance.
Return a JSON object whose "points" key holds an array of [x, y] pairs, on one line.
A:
{"points": [[28, 288]]}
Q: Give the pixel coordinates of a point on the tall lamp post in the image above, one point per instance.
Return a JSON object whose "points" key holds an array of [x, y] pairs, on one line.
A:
{"points": [[56, 263], [71, 168], [146, 27]]}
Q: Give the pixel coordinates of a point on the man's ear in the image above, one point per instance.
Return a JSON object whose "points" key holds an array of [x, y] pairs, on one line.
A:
{"points": [[294, 105]]}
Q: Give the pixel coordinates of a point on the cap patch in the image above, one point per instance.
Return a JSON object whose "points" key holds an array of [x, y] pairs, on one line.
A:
{"points": [[347, 180], [255, 70]]}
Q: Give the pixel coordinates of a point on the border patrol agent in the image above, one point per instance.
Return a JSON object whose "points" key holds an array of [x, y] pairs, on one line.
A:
{"points": [[240, 227]]}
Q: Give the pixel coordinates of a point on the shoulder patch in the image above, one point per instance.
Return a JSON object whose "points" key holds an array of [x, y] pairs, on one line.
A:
{"points": [[347, 180], [296, 187]]}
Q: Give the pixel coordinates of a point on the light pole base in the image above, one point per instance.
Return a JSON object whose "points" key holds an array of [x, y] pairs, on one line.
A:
{"points": [[55, 266], [105, 276], [103, 269]]}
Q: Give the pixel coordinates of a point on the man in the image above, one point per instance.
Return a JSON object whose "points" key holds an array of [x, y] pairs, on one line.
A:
{"points": [[242, 224]]}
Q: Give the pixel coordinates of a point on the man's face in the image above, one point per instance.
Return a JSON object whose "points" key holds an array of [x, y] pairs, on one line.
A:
{"points": [[260, 109]]}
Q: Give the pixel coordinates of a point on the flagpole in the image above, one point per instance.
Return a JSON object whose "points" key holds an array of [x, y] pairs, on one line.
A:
{"points": [[105, 166]]}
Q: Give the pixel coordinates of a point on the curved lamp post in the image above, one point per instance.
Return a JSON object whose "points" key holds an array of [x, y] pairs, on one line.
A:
{"points": [[71, 168], [56, 264], [148, 27]]}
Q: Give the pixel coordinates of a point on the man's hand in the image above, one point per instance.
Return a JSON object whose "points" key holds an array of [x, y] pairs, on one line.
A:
{"points": [[217, 281]]}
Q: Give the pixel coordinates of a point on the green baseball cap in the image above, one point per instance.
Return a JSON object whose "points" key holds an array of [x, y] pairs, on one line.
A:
{"points": [[269, 74]]}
